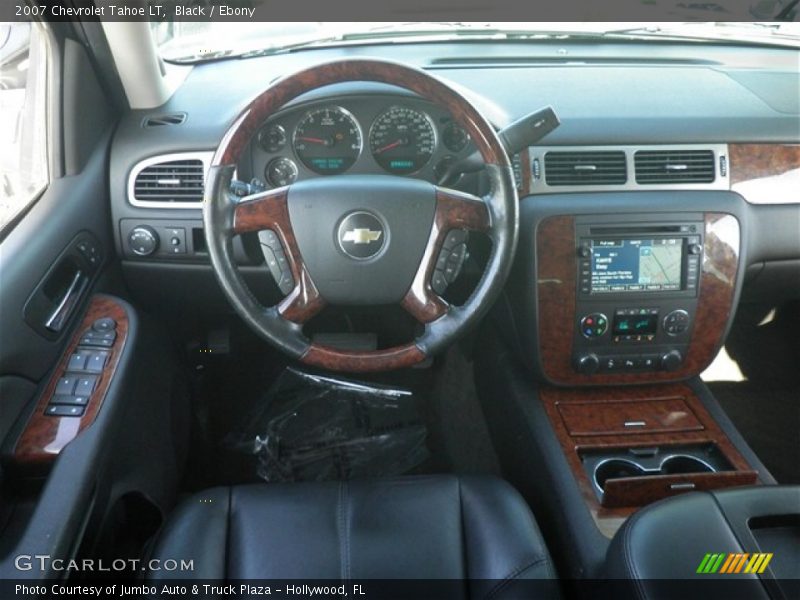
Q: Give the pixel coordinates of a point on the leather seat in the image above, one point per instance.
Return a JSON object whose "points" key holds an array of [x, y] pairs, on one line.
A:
{"points": [[431, 527]]}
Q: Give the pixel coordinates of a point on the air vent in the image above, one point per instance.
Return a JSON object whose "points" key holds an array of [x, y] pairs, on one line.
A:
{"points": [[585, 168], [674, 166], [175, 181], [162, 120]]}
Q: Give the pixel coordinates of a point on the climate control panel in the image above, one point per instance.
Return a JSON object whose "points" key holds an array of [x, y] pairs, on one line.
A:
{"points": [[631, 338]]}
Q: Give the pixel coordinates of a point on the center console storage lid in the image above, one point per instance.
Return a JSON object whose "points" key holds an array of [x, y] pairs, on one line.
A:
{"points": [[739, 529]]}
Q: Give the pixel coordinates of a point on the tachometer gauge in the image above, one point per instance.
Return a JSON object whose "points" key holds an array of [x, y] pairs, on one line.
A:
{"points": [[402, 140], [328, 140], [281, 171]]}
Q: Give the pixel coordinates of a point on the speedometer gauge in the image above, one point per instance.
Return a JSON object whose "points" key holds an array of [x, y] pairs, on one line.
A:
{"points": [[328, 140], [402, 140]]}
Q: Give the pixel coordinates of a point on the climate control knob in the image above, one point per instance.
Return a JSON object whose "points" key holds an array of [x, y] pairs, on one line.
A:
{"points": [[587, 364], [594, 325], [143, 240], [671, 360]]}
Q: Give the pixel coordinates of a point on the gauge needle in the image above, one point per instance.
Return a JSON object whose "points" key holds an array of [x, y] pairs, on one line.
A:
{"points": [[390, 146], [313, 140]]}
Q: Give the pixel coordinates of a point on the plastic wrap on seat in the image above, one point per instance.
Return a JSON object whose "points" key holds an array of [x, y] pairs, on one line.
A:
{"points": [[315, 428]]}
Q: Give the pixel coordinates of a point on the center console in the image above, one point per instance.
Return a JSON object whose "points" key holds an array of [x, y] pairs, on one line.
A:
{"points": [[590, 378]]}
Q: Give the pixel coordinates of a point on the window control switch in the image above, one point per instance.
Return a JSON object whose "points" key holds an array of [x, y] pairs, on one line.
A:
{"points": [[66, 385], [70, 400], [85, 385], [97, 361], [62, 410], [77, 362]]}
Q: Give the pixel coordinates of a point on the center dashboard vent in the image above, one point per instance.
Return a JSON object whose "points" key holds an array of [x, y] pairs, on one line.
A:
{"points": [[585, 168], [674, 166], [169, 181]]}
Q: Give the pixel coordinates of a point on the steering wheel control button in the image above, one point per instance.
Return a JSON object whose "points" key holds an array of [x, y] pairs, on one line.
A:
{"points": [[276, 260], [361, 235], [594, 325], [104, 324], [676, 322], [439, 282], [63, 410], [451, 259], [454, 237]]}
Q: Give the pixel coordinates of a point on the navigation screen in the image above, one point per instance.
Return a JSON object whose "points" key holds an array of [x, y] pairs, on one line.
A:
{"points": [[636, 265]]}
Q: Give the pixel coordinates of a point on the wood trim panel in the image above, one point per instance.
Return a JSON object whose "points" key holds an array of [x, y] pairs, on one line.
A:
{"points": [[556, 289], [361, 362], [417, 81], [765, 173], [609, 519], [45, 436], [752, 162], [639, 491], [657, 415]]}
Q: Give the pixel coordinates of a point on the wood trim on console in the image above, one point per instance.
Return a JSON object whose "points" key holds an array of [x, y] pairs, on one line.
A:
{"points": [[557, 290], [45, 436], [609, 519]]}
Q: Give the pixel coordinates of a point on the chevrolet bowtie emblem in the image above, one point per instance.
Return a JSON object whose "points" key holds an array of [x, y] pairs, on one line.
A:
{"points": [[361, 236]]}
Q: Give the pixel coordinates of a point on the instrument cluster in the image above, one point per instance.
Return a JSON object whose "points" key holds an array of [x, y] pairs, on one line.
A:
{"points": [[362, 134]]}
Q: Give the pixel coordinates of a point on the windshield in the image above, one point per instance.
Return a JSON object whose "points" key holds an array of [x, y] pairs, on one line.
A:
{"points": [[195, 41]]}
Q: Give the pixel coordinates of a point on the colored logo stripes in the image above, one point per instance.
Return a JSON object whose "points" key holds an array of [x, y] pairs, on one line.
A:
{"points": [[734, 563]]}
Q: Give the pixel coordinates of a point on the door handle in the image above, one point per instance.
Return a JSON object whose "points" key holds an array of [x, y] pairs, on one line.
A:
{"points": [[60, 315]]}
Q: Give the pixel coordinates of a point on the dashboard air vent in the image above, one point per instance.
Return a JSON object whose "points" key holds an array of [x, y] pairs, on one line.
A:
{"points": [[177, 181], [162, 120], [585, 168], [674, 166]]}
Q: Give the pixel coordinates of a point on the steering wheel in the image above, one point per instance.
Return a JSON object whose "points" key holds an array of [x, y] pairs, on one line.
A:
{"points": [[361, 239]]}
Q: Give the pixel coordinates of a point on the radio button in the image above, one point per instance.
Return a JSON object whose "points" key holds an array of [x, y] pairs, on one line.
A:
{"points": [[649, 361]]}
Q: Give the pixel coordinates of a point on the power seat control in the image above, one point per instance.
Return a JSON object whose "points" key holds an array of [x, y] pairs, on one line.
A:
{"points": [[275, 258], [594, 325], [450, 260]]}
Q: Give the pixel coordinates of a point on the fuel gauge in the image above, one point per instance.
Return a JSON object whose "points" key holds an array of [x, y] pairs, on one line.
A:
{"points": [[281, 171]]}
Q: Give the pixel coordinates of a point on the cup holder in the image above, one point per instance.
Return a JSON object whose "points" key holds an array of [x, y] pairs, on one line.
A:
{"points": [[607, 464], [616, 468], [675, 465]]}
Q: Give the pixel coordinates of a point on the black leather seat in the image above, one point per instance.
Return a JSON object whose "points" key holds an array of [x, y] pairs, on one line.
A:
{"points": [[433, 527]]}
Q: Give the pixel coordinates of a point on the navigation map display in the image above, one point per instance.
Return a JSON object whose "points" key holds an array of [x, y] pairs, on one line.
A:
{"points": [[636, 265]]}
